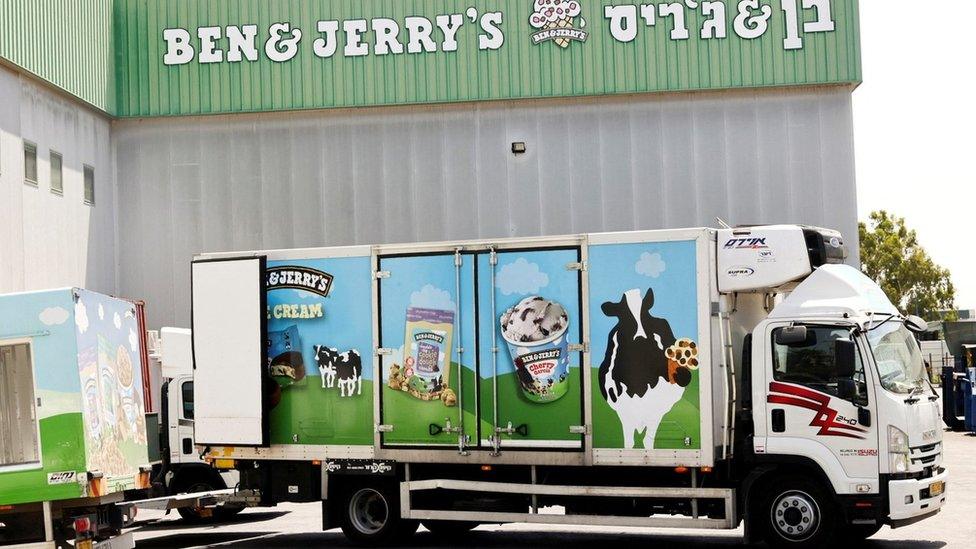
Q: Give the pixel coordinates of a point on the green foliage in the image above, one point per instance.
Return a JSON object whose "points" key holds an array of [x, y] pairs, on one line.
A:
{"points": [[892, 256]]}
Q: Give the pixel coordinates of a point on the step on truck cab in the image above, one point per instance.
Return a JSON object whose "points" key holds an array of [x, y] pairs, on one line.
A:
{"points": [[693, 378]]}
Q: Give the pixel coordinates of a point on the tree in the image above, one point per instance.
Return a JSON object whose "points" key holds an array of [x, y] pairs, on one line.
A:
{"points": [[892, 256]]}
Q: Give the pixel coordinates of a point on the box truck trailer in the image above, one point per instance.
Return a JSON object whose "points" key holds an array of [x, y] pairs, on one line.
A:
{"points": [[692, 378], [72, 426]]}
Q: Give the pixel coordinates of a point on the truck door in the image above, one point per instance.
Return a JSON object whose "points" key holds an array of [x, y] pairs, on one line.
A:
{"points": [[807, 412], [529, 330], [229, 353], [426, 317], [18, 415]]}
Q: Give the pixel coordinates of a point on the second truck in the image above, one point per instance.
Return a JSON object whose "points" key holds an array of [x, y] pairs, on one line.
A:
{"points": [[693, 378]]}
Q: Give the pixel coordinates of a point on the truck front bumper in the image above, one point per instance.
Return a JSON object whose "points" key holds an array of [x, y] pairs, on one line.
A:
{"points": [[911, 500]]}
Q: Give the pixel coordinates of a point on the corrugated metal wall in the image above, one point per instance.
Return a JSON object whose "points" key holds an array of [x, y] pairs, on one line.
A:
{"points": [[49, 240], [519, 69], [69, 43], [416, 174]]}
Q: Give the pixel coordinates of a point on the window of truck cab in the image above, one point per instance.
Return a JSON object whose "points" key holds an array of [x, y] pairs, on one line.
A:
{"points": [[901, 368], [811, 363], [19, 425], [186, 400]]}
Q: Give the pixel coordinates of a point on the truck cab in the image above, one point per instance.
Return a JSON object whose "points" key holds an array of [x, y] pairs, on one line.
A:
{"points": [[182, 470], [839, 405]]}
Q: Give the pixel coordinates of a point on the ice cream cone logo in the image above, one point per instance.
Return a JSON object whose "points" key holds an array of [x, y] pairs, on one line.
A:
{"points": [[557, 20]]}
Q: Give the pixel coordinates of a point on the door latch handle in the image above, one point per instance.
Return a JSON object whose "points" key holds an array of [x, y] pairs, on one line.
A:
{"points": [[435, 429], [510, 429], [778, 417]]}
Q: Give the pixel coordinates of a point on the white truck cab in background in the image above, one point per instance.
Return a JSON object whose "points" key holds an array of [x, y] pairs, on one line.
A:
{"points": [[182, 469]]}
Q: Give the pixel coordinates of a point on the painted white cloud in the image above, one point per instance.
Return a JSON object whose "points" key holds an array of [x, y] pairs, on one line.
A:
{"points": [[133, 341], [81, 316], [101, 312], [430, 297], [117, 320], [53, 316], [650, 265], [521, 277]]}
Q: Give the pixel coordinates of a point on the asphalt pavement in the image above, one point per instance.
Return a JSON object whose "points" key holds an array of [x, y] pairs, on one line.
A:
{"points": [[299, 525]]}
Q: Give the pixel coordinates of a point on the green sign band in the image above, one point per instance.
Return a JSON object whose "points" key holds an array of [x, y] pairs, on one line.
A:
{"points": [[224, 56]]}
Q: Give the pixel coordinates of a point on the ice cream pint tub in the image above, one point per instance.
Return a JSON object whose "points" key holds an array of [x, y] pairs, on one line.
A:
{"points": [[427, 351], [535, 330]]}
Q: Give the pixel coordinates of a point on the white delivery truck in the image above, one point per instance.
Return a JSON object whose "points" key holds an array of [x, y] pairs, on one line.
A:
{"points": [[691, 378]]}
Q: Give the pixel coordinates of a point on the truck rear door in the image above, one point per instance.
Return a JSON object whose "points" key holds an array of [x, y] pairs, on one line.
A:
{"points": [[229, 351], [529, 331]]}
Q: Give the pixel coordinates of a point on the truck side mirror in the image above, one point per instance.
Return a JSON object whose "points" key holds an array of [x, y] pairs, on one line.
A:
{"points": [[845, 354], [847, 388], [792, 336], [916, 324]]}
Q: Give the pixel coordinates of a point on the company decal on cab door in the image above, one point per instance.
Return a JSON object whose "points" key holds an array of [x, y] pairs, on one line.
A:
{"points": [[829, 421]]}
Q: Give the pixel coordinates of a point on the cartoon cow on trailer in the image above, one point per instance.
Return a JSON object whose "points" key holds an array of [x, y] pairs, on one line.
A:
{"points": [[342, 369], [634, 375]]}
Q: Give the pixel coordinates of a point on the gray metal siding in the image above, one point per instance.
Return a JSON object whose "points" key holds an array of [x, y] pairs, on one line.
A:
{"points": [[249, 182]]}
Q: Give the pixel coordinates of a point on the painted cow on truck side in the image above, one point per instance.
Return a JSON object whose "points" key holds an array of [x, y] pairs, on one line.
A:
{"points": [[634, 375], [342, 369]]}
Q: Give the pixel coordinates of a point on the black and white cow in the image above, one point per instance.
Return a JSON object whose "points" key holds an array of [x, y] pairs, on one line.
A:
{"points": [[344, 369], [634, 374]]}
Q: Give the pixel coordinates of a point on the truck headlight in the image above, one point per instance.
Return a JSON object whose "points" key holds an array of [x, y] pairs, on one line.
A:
{"points": [[899, 463], [897, 440], [897, 450]]}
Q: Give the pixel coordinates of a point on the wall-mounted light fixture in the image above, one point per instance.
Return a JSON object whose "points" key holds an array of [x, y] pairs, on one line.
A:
{"points": [[518, 147]]}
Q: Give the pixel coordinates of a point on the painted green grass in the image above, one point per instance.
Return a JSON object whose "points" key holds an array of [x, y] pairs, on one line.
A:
{"points": [[309, 414], [411, 417], [545, 421], [684, 420], [62, 449]]}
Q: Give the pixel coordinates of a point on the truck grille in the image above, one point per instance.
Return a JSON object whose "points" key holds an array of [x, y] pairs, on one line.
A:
{"points": [[927, 455]]}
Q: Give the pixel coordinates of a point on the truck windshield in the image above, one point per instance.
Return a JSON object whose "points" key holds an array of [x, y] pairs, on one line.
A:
{"points": [[898, 358]]}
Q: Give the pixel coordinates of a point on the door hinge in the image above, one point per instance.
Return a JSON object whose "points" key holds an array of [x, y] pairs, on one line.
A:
{"points": [[578, 266], [383, 428], [382, 351], [579, 429], [579, 347], [381, 274]]}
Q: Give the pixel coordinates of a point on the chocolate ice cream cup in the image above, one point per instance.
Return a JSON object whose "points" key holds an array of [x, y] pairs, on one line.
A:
{"points": [[542, 367]]}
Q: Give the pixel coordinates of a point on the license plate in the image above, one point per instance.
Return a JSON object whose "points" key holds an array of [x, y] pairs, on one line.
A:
{"points": [[936, 488]]}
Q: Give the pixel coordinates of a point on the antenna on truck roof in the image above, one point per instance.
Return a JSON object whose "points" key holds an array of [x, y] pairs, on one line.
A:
{"points": [[722, 223]]}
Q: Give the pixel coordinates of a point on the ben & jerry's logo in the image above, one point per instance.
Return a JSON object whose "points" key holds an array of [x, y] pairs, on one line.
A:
{"points": [[557, 20], [299, 278]]}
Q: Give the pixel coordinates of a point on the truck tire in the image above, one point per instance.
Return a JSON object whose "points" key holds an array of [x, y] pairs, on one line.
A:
{"points": [[203, 484], [371, 516], [795, 512], [449, 528]]}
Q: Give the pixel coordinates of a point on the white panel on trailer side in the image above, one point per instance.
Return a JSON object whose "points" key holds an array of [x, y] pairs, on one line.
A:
{"points": [[228, 351]]}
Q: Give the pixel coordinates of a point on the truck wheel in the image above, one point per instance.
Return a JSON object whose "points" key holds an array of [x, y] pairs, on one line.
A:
{"points": [[372, 517], [797, 513], [449, 528], [197, 515]]}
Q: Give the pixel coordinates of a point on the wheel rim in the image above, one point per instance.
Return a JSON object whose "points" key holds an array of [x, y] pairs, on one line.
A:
{"points": [[368, 511], [795, 515], [198, 487]]}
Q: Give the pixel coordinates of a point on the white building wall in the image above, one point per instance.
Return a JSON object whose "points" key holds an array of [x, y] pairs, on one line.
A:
{"points": [[244, 182], [47, 240]]}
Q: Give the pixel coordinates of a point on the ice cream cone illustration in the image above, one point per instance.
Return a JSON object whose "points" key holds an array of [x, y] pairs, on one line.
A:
{"points": [[553, 15]]}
